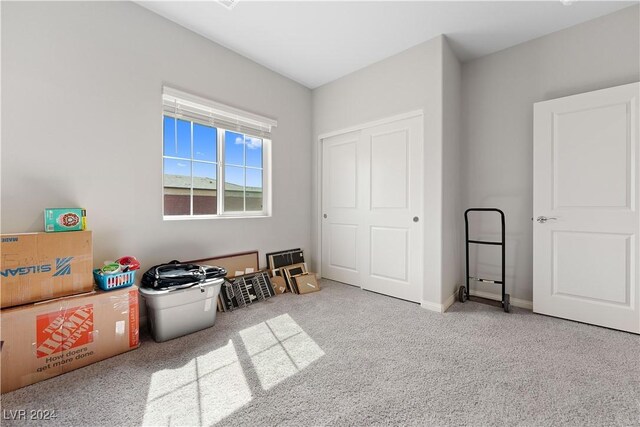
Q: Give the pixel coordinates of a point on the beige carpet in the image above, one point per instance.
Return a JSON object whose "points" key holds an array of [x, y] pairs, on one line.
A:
{"points": [[349, 357]]}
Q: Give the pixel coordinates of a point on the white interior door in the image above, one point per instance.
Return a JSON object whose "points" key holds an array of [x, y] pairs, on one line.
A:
{"points": [[372, 208], [586, 183], [341, 206]]}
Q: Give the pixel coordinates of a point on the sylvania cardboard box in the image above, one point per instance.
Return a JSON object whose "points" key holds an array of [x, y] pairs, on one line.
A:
{"points": [[40, 266], [46, 339]]}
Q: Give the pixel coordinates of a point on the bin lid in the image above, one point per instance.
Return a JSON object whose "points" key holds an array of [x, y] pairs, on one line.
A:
{"points": [[182, 287]]}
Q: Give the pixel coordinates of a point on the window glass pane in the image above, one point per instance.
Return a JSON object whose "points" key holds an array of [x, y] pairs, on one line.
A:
{"points": [[184, 140], [233, 148], [253, 192], [204, 142], [169, 135], [180, 146], [177, 187], [204, 189], [253, 151], [233, 189]]}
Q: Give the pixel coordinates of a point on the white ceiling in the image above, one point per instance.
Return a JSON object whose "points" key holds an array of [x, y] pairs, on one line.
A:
{"points": [[315, 42]]}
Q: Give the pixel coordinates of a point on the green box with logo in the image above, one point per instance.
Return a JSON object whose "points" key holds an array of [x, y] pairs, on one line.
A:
{"points": [[65, 219]]}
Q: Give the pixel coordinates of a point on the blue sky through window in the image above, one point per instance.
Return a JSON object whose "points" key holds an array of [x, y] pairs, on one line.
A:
{"points": [[204, 147], [254, 151], [254, 178], [234, 175], [239, 147], [178, 167], [169, 136], [204, 143], [233, 148], [180, 146]]}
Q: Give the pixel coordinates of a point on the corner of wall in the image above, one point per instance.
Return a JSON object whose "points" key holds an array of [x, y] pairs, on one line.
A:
{"points": [[432, 165], [439, 308], [452, 181]]}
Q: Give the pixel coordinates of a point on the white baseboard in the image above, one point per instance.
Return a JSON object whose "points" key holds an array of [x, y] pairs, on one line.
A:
{"points": [[431, 306], [449, 302], [516, 302], [438, 308]]}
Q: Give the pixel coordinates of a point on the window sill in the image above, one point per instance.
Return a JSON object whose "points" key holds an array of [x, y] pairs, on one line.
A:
{"points": [[199, 217]]}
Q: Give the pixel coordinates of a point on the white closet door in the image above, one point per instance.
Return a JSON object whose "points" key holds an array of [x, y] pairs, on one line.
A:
{"points": [[373, 200], [392, 165], [586, 184], [342, 208]]}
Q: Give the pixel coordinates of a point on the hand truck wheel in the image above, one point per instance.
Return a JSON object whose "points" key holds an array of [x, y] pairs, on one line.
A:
{"points": [[462, 294], [506, 303]]}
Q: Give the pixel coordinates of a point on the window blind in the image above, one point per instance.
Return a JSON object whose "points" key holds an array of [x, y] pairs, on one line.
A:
{"points": [[182, 105]]}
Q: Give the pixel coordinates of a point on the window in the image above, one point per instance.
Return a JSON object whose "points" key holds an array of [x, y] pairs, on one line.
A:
{"points": [[242, 172], [215, 159]]}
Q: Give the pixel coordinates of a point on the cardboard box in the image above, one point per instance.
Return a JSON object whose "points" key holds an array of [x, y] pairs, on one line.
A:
{"points": [[306, 283], [65, 219], [40, 266], [46, 339]]}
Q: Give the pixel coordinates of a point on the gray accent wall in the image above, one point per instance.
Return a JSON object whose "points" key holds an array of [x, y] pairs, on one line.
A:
{"points": [[82, 126], [498, 93]]}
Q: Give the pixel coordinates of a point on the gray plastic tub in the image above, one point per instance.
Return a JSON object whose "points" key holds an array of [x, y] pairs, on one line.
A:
{"points": [[172, 313]]}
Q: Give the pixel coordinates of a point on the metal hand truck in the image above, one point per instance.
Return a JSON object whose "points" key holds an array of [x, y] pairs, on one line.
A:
{"points": [[464, 291]]}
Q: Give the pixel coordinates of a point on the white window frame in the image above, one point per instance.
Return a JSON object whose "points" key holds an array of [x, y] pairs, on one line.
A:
{"points": [[227, 114]]}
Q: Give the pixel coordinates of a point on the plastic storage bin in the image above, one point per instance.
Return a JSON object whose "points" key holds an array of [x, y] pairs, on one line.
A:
{"points": [[108, 282], [172, 313]]}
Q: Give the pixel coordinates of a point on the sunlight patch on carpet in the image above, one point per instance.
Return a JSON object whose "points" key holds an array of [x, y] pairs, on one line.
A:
{"points": [[278, 349], [202, 392]]}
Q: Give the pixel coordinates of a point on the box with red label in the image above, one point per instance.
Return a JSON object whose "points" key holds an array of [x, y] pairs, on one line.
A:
{"points": [[41, 266], [43, 340]]}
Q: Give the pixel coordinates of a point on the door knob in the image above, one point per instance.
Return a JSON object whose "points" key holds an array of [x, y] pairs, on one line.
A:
{"points": [[543, 219], [325, 215], [416, 219]]}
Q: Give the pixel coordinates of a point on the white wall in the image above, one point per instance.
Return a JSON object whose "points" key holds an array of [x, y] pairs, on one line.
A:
{"points": [[81, 116], [498, 95], [405, 82], [453, 176]]}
